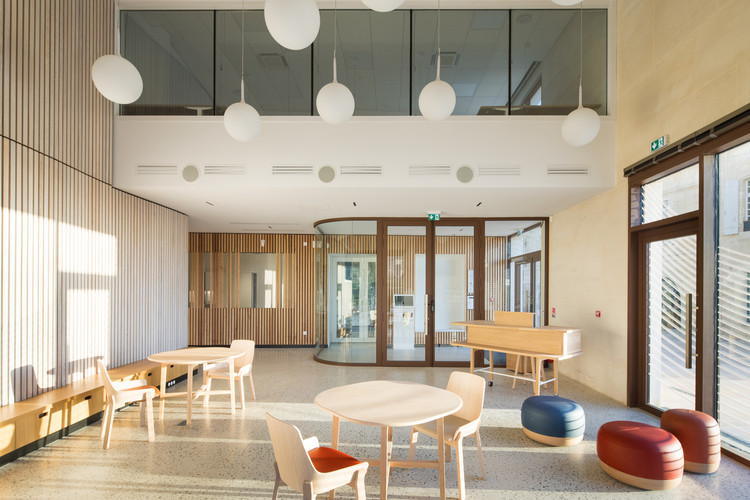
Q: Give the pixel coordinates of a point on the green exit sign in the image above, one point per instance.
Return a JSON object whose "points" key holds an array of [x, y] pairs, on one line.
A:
{"points": [[433, 216], [659, 143]]}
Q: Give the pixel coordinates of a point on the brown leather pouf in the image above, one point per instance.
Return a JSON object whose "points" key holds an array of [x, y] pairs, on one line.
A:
{"points": [[700, 437]]}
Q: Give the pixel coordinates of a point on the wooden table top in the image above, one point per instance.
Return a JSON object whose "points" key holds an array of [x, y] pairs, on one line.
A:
{"points": [[388, 403], [196, 355]]}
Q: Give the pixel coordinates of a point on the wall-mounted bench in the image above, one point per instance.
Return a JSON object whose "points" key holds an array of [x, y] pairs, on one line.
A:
{"points": [[32, 423]]}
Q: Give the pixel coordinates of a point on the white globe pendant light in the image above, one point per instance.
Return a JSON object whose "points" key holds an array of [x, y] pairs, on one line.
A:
{"points": [[117, 79], [242, 121], [567, 3], [294, 24], [437, 99], [335, 102], [582, 125], [383, 5]]}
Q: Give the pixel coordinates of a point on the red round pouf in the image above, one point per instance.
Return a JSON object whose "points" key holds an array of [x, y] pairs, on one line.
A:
{"points": [[700, 437], [640, 455]]}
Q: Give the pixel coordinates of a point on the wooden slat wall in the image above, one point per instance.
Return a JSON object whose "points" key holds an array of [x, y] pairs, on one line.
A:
{"points": [[220, 323], [496, 271], [86, 271]]}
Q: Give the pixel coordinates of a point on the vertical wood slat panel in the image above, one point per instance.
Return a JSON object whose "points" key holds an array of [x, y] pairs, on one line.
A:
{"points": [[85, 271]]}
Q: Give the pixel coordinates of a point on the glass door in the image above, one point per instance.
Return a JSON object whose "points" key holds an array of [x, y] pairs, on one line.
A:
{"points": [[407, 302], [670, 321], [352, 297]]}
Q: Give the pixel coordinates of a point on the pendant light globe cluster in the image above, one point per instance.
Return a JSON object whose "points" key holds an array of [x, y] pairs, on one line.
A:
{"points": [[294, 24]]}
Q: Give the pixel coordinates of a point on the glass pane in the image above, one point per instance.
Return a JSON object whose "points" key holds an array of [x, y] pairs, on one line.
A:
{"points": [[474, 57], [372, 56], [406, 293], [258, 279], [173, 50], [454, 289], [277, 80], [546, 55], [346, 295], [669, 196], [526, 241], [733, 298], [671, 280]]}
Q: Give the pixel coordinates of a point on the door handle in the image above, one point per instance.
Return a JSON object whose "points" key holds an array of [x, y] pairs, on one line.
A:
{"points": [[689, 331]]}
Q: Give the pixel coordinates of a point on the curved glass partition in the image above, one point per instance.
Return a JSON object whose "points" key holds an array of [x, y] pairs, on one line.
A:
{"points": [[345, 291]]}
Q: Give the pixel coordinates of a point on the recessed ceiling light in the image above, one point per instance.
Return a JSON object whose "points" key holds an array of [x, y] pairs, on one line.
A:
{"points": [[209, 203], [479, 203]]}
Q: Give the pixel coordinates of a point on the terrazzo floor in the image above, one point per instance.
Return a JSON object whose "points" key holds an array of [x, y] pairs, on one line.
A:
{"points": [[223, 456]]}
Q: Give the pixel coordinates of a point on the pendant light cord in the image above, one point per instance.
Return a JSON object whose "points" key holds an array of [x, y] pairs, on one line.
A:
{"points": [[580, 81], [438, 42], [335, 38], [242, 52]]}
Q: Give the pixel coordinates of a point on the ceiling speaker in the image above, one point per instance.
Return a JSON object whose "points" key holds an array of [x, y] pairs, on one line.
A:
{"points": [[465, 174], [326, 174], [190, 173]]}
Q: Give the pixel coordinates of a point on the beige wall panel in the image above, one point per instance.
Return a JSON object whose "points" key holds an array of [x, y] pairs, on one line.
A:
{"points": [[681, 64]]}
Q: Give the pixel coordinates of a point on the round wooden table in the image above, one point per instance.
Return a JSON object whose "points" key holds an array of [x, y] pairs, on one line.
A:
{"points": [[390, 404], [193, 357]]}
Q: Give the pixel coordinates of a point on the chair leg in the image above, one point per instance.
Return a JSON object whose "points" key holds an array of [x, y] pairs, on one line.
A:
{"points": [[307, 491], [150, 417], [479, 451], [242, 393], [110, 421], [413, 443], [448, 453], [359, 489], [460, 468], [208, 391], [278, 481], [105, 417], [142, 408], [252, 387], [518, 359]]}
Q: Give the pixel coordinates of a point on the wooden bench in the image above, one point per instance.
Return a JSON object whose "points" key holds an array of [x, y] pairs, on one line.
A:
{"points": [[34, 422]]}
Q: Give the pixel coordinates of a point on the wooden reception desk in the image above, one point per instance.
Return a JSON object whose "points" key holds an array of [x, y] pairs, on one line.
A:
{"points": [[513, 333]]}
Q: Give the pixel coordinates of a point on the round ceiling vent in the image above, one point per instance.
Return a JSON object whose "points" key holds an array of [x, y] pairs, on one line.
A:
{"points": [[326, 174], [190, 173], [465, 174]]}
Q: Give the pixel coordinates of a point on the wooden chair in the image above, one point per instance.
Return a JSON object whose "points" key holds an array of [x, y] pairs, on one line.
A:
{"points": [[121, 393], [309, 468], [465, 422], [242, 366]]}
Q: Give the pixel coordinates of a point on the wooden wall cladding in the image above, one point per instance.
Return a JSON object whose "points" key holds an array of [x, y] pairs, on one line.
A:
{"points": [[220, 323], [497, 294], [86, 271], [49, 101]]}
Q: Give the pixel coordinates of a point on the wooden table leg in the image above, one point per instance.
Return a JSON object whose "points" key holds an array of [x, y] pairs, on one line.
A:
{"points": [[231, 384], [163, 390], [538, 362], [386, 449], [554, 365], [441, 455], [471, 360], [492, 366], [335, 433], [189, 394]]}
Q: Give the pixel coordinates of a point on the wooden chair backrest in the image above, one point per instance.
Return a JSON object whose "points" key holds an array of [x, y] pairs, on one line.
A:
{"points": [[470, 388], [248, 347], [295, 466], [108, 385]]}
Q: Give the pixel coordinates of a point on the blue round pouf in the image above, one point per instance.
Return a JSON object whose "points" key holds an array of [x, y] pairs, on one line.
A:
{"points": [[553, 420]]}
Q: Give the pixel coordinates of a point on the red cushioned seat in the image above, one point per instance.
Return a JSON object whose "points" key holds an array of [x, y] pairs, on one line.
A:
{"points": [[639, 454], [700, 437], [328, 460]]}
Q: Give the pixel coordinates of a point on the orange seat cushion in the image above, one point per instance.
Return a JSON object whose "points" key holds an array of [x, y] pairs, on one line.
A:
{"points": [[156, 390], [698, 432], [640, 450], [328, 460]]}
